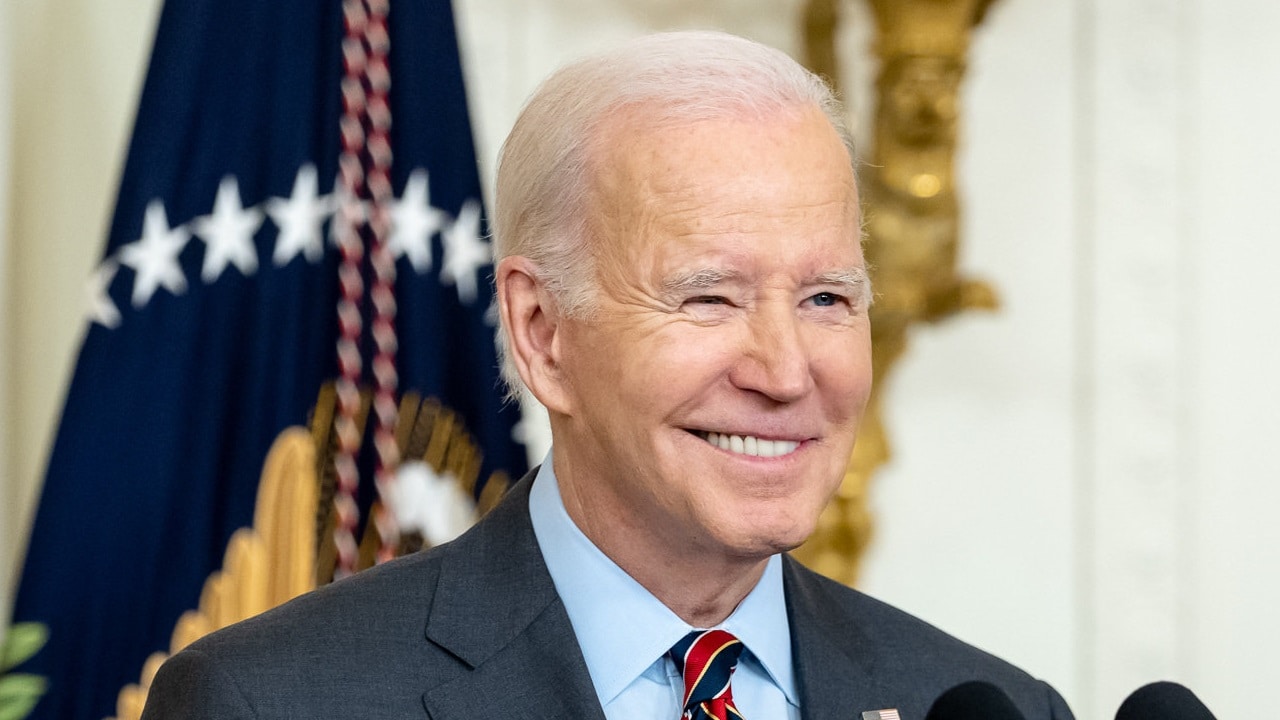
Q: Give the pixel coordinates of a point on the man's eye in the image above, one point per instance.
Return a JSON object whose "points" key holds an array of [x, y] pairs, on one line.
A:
{"points": [[825, 299], [708, 300]]}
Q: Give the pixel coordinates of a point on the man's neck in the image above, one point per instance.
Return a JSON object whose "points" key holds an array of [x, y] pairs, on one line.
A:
{"points": [[702, 588], [702, 600]]}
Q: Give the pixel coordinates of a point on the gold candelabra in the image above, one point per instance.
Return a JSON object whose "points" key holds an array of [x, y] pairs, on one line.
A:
{"points": [[911, 218]]}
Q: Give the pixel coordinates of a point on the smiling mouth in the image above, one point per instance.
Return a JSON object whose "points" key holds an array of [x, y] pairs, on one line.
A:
{"points": [[749, 444]]}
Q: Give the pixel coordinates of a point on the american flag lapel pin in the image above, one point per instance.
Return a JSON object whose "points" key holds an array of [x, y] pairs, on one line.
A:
{"points": [[886, 714]]}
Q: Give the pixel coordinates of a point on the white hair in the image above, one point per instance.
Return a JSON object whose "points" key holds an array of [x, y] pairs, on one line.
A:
{"points": [[671, 79]]}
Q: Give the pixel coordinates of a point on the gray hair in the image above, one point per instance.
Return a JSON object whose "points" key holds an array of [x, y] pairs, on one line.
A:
{"points": [[675, 78]]}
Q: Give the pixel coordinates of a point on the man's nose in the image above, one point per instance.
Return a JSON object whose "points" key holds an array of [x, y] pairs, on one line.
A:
{"points": [[775, 359]]}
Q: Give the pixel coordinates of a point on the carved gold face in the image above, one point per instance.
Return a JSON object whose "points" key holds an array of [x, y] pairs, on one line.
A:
{"points": [[920, 98]]}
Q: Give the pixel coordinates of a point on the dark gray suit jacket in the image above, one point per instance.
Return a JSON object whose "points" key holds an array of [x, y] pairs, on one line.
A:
{"points": [[475, 628]]}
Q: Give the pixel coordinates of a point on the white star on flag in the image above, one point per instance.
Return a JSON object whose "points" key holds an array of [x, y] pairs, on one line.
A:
{"points": [[154, 257], [414, 222], [228, 233], [299, 219], [464, 252], [102, 309]]}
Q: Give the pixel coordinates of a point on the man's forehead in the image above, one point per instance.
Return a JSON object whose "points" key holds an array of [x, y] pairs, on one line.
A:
{"points": [[798, 150], [719, 187], [615, 131]]}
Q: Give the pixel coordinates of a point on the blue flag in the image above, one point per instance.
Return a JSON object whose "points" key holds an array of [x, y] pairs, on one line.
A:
{"points": [[215, 325]]}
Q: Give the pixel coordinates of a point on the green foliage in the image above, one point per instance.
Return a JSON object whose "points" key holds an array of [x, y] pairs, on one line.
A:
{"points": [[23, 641], [19, 692]]}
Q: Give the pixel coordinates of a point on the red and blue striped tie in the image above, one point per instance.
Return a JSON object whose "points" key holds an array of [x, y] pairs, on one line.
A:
{"points": [[707, 659]]}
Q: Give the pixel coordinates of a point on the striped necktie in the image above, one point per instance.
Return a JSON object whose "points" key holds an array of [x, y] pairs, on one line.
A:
{"points": [[706, 659]]}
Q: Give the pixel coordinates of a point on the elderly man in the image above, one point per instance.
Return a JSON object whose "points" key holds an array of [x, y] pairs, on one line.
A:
{"points": [[681, 285]]}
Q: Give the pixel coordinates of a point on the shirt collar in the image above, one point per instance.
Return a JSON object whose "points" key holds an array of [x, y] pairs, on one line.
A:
{"points": [[622, 628], [761, 623]]}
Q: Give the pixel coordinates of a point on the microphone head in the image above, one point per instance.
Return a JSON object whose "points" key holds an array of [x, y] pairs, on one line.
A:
{"points": [[1163, 701], [974, 700]]}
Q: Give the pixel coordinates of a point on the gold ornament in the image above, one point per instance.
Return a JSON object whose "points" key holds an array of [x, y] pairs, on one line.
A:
{"points": [[911, 217]]}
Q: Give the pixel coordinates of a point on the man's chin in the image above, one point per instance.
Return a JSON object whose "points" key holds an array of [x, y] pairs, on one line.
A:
{"points": [[763, 545]]}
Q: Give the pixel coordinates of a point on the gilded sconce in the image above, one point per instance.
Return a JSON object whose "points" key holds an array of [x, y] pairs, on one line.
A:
{"points": [[911, 219]]}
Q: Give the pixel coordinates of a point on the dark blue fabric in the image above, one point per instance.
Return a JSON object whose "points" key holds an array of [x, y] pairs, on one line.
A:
{"points": [[170, 413]]}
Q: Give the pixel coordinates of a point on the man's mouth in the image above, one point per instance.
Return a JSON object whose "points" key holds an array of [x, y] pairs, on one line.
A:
{"points": [[749, 444]]}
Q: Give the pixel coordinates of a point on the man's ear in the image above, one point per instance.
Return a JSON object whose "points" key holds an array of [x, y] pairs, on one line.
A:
{"points": [[532, 323]]}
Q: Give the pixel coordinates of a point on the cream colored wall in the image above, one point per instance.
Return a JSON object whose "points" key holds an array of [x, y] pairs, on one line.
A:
{"points": [[1082, 480], [9, 530], [75, 71]]}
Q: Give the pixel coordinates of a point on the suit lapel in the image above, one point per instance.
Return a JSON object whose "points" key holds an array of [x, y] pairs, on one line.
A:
{"points": [[836, 680], [496, 610]]}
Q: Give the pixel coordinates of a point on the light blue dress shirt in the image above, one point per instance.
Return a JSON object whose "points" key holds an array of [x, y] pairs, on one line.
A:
{"points": [[625, 632]]}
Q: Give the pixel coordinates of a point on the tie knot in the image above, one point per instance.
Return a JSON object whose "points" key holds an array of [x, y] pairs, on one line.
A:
{"points": [[706, 659]]}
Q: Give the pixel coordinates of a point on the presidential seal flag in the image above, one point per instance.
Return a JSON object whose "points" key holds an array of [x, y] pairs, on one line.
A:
{"points": [[298, 240]]}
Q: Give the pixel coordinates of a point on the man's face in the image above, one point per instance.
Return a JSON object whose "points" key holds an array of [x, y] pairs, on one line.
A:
{"points": [[713, 399]]}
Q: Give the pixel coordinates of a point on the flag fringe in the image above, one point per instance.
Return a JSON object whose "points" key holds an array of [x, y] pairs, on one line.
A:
{"points": [[277, 559], [264, 566]]}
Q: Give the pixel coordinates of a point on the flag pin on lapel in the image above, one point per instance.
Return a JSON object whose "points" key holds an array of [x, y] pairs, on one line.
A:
{"points": [[887, 714]]}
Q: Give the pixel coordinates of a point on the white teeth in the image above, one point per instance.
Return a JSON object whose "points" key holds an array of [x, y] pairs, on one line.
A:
{"points": [[751, 445]]}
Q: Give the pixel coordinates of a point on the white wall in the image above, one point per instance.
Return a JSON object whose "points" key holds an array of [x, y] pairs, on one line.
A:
{"points": [[1098, 449], [1082, 480], [1233, 308], [978, 530]]}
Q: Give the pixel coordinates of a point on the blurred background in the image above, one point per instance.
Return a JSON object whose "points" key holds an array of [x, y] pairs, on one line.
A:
{"points": [[1082, 482]]}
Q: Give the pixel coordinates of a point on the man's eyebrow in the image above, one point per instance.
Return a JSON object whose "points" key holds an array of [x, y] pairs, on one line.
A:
{"points": [[688, 281], [855, 281]]}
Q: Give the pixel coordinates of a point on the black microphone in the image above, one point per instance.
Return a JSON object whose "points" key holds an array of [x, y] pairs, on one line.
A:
{"points": [[974, 700], [1163, 701]]}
